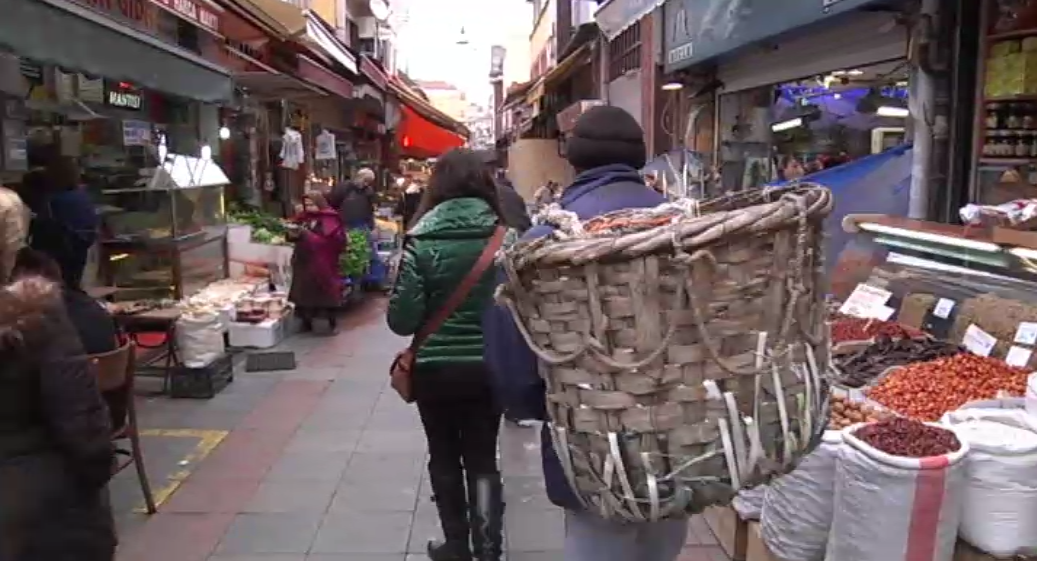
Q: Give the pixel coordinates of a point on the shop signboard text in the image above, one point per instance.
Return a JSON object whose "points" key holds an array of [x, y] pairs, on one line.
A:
{"points": [[193, 12], [697, 30], [140, 13], [123, 96]]}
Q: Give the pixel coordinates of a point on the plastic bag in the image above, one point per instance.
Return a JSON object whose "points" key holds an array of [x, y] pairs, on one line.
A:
{"points": [[199, 339], [890, 508], [748, 503], [797, 508], [1000, 499]]}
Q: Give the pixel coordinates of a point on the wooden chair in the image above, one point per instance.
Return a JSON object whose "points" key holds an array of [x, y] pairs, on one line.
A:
{"points": [[115, 376]]}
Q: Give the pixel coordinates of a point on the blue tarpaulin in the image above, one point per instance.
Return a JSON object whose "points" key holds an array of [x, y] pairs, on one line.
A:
{"points": [[878, 184]]}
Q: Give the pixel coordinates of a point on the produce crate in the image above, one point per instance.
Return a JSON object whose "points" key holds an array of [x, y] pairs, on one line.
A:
{"points": [[731, 531], [204, 382]]}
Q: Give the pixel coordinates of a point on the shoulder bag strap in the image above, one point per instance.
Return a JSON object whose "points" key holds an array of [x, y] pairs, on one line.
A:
{"points": [[462, 290]]}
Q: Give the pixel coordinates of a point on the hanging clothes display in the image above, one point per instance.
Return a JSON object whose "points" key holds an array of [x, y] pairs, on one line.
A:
{"points": [[325, 146], [292, 152]]}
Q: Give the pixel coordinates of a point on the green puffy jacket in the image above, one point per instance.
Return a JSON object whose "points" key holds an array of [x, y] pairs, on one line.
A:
{"points": [[440, 250]]}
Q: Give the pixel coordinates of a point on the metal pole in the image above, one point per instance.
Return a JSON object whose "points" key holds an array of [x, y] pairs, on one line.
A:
{"points": [[923, 113]]}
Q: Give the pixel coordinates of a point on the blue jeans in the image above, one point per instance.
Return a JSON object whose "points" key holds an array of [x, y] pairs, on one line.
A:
{"points": [[589, 538]]}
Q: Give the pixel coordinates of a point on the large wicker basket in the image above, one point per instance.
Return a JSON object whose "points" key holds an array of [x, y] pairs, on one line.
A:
{"points": [[683, 360]]}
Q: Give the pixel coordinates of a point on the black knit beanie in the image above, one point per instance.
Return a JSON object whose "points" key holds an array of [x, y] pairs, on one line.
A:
{"points": [[606, 135]]}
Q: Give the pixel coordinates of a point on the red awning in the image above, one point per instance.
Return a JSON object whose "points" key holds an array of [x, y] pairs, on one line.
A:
{"points": [[418, 137]]}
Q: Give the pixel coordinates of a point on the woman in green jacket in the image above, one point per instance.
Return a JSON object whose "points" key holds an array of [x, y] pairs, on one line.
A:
{"points": [[458, 214]]}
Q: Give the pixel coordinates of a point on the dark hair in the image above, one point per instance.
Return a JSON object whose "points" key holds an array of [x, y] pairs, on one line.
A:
{"points": [[30, 262], [62, 174], [459, 173]]}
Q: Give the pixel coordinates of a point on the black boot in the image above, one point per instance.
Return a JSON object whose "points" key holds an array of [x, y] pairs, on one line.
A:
{"points": [[449, 495], [486, 510]]}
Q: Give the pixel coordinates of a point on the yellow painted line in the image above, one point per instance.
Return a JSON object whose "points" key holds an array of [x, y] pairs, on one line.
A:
{"points": [[208, 440]]}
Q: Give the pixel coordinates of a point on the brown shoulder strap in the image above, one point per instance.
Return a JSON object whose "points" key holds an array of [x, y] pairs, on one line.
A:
{"points": [[462, 290]]}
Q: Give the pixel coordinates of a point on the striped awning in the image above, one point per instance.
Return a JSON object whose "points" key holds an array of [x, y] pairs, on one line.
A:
{"points": [[615, 16]]}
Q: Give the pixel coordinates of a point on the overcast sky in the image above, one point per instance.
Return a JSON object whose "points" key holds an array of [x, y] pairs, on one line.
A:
{"points": [[428, 40]]}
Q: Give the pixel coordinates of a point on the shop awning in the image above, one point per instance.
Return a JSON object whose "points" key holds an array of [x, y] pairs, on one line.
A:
{"points": [[320, 33], [616, 16], [76, 38], [425, 109], [287, 20], [418, 137], [564, 69], [275, 85]]}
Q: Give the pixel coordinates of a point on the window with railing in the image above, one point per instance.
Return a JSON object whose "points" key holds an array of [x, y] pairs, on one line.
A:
{"points": [[625, 52]]}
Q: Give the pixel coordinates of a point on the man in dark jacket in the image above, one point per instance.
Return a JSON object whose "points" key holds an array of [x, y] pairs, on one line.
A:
{"points": [[512, 204], [355, 200], [607, 149]]}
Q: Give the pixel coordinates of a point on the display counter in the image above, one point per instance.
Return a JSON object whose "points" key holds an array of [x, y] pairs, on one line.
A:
{"points": [[166, 235]]}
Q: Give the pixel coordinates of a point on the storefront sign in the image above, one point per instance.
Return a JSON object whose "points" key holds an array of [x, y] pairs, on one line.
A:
{"points": [[136, 133], [123, 96], [140, 13], [617, 15], [697, 30], [193, 12]]}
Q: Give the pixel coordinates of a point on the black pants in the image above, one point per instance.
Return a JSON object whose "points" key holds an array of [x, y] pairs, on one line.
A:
{"points": [[460, 418]]}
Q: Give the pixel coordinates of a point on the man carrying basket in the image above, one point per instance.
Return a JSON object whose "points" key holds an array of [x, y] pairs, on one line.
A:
{"points": [[607, 150]]}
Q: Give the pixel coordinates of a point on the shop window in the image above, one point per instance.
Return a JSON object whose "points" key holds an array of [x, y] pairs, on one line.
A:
{"points": [[785, 131], [354, 34], [625, 52]]}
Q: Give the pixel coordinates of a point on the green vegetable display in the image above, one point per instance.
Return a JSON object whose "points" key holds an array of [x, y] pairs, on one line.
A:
{"points": [[266, 228], [357, 257]]}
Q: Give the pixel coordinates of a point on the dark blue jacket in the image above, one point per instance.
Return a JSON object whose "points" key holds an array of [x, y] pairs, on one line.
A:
{"points": [[518, 385]]}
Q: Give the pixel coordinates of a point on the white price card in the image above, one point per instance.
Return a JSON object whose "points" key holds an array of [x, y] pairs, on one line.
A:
{"points": [[1026, 334], [977, 341], [882, 313], [864, 300], [943, 308], [1018, 356]]}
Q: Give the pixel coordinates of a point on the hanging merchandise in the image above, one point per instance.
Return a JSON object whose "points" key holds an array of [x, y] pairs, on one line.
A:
{"points": [[901, 502], [325, 147], [1000, 498], [292, 153], [797, 508]]}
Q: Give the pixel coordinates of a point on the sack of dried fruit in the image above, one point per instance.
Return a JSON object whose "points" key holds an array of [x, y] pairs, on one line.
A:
{"points": [[1000, 501], [899, 488], [797, 508], [749, 502]]}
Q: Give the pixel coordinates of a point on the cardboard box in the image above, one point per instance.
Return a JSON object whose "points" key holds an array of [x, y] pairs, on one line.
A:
{"points": [[731, 531], [756, 550]]}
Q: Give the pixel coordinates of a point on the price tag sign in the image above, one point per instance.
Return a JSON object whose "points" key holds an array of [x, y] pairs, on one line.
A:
{"points": [[943, 308], [883, 313], [864, 301], [1026, 334], [1018, 356], [977, 341]]}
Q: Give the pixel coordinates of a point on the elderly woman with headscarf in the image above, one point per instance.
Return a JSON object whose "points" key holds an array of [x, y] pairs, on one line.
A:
{"points": [[55, 449], [319, 241]]}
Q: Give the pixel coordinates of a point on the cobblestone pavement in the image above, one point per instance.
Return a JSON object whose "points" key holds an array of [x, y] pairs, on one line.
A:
{"points": [[323, 463]]}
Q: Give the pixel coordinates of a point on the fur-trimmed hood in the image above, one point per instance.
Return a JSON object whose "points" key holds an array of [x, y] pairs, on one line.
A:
{"points": [[25, 306]]}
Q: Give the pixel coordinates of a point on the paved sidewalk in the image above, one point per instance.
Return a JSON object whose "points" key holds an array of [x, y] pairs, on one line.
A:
{"points": [[323, 463]]}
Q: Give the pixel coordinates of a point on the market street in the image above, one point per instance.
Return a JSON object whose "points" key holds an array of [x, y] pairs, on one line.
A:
{"points": [[321, 463]]}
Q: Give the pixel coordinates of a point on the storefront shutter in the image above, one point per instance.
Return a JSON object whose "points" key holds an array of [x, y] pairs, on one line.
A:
{"points": [[864, 39]]}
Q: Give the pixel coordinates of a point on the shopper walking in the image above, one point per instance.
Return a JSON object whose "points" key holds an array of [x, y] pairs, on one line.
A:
{"points": [[55, 449], [320, 239], [355, 200], [65, 222], [458, 217], [607, 149]]}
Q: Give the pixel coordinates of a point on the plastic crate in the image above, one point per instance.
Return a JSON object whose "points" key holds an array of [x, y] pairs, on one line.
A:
{"points": [[204, 382]]}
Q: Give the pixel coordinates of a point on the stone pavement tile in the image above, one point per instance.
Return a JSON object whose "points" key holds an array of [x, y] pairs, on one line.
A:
{"points": [[400, 468], [699, 532], [244, 454], [703, 553], [323, 372], [364, 532], [328, 441], [287, 406], [534, 529], [335, 360], [375, 441], [309, 465], [526, 491], [385, 495], [258, 557], [292, 496], [227, 495], [270, 533], [175, 537], [536, 556], [358, 557], [340, 412]]}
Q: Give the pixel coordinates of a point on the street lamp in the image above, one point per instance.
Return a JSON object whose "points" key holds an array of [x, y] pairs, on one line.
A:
{"points": [[497, 54], [462, 40]]}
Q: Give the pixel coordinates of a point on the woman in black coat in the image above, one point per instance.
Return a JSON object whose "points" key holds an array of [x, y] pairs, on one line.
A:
{"points": [[56, 456]]}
